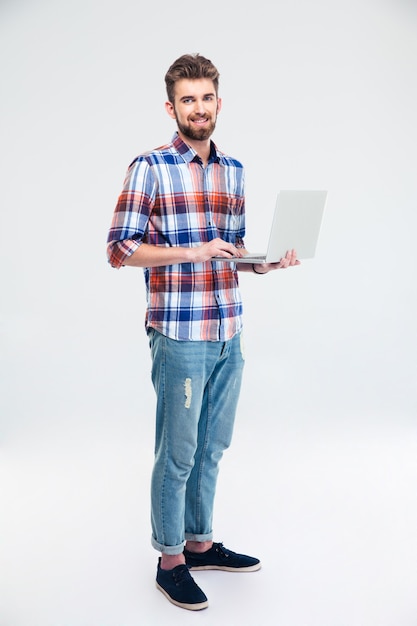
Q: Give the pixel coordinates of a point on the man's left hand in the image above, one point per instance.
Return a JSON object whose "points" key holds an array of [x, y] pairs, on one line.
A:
{"points": [[289, 260]]}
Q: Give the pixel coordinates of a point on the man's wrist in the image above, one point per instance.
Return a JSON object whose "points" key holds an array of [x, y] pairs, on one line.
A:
{"points": [[254, 270]]}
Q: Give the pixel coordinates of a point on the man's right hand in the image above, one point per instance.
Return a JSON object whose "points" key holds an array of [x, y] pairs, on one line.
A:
{"points": [[215, 247]]}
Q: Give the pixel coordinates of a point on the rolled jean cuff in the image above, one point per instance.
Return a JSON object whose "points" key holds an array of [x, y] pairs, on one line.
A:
{"points": [[200, 538], [171, 550]]}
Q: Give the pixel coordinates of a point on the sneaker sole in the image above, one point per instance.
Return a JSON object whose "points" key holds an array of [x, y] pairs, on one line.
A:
{"points": [[224, 568], [183, 605]]}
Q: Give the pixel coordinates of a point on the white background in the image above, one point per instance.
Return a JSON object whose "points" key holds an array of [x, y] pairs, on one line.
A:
{"points": [[320, 482]]}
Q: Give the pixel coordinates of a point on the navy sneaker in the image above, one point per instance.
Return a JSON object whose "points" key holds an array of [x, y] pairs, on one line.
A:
{"points": [[180, 588], [218, 557]]}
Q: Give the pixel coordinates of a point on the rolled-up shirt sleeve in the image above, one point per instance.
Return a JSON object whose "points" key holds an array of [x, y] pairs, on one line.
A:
{"points": [[131, 215]]}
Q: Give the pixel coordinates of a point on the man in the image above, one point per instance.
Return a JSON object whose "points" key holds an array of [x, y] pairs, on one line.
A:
{"points": [[181, 205]]}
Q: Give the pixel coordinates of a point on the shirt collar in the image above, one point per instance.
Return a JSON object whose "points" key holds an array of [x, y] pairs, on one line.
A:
{"points": [[188, 154]]}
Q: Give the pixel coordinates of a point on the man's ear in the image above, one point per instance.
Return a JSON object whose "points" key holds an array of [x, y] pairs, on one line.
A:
{"points": [[169, 108], [219, 105]]}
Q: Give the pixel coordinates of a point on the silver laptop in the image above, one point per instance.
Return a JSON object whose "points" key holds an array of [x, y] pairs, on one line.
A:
{"points": [[296, 226]]}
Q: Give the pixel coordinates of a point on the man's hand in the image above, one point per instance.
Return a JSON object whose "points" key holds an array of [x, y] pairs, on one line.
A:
{"points": [[289, 260], [215, 247]]}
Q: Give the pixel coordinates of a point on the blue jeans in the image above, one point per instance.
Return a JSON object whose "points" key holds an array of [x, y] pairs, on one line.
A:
{"points": [[197, 384]]}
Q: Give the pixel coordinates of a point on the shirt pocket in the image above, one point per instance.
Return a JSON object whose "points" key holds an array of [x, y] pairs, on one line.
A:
{"points": [[227, 216]]}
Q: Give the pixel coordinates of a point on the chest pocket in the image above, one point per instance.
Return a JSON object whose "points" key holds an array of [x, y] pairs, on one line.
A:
{"points": [[227, 217]]}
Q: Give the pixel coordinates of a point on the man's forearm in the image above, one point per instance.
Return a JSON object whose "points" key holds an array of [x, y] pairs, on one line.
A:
{"points": [[148, 255]]}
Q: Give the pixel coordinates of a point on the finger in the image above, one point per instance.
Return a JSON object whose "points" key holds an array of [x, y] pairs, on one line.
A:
{"points": [[291, 256], [235, 251], [229, 250]]}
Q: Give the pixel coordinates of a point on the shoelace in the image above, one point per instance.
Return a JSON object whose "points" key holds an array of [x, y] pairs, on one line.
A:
{"points": [[221, 551], [181, 575]]}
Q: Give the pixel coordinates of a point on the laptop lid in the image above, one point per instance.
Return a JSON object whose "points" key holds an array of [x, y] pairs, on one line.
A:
{"points": [[296, 224]]}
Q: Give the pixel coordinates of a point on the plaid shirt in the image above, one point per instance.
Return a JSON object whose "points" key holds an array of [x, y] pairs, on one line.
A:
{"points": [[170, 199]]}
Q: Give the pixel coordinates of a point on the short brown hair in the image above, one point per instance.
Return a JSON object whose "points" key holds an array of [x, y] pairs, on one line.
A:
{"points": [[191, 66]]}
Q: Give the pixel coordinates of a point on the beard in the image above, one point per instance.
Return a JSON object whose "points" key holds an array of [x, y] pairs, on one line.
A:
{"points": [[199, 134]]}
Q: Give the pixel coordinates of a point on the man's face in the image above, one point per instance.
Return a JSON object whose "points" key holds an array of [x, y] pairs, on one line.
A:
{"points": [[195, 108]]}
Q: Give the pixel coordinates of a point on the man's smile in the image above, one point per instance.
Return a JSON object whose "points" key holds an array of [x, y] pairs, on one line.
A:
{"points": [[200, 120]]}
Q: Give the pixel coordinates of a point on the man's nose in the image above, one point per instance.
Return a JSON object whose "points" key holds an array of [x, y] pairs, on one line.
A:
{"points": [[199, 107]]}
